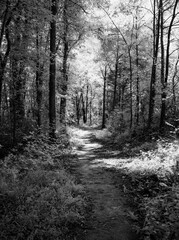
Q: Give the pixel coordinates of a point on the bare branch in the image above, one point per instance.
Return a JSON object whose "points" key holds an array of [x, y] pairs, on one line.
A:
{"points": [[79, 6], [174, 51], [124, 39]]}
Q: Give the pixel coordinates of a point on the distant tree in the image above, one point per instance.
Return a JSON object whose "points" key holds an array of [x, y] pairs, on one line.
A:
{"points": [[72, 33]]}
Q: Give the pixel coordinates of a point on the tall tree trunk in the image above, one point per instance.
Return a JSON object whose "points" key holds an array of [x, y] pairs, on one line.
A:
{"points": [[137, 66], [87, 92], [3, 63], [63, 84], [165, 75], [122, 102], [12, 102], [52, 78], [39, 83], [162, 117], [18, 72], [90, 107], [83, 108], [104, 98], [115, 78], [156, 34], [131, 86], [78, 110], [119, 95], [173, 88], [2, 69]]}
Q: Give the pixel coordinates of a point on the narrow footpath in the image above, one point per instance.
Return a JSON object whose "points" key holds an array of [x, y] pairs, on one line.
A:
{"points": [[109, 218]]}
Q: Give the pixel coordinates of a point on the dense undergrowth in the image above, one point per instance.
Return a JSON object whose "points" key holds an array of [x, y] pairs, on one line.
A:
{"points": [[39, 199], [152, 173]]}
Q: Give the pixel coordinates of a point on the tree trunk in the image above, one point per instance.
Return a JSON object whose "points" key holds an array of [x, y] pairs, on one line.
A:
{"points": [[104, 99], [83, 108], [137, 79], [115, 78], [173, 88], [166, 68], [87, 91], [52, 78], [122, 102], [78, 100], [156, 34], [131, 85], [163, 95], [63, 84], [165, 75], [3, 63], [1, 83], [18, 72], [39, 83]]}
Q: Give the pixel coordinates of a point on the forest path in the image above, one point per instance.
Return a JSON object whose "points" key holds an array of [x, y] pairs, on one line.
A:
{"points": [[109, 219]]}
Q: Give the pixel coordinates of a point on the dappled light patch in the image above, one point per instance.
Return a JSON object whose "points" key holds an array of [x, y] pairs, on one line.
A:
{"points": [[154, 181], [109, 216], [110, 163], [103, 134], [91, 146], [161, 160]]}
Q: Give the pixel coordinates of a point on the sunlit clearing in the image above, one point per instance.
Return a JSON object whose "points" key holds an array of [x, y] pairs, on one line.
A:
{"points": [[161, 161]]}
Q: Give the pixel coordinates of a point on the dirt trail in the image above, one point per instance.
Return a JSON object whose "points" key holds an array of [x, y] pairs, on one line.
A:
{"points": [[109, 219]]}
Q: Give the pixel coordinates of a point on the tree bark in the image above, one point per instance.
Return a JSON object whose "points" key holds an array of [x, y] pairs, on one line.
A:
{"points": [[18, 70], [87, 92], [115, 78], [122, 102], [77, 110], [162, 117], [173, 88], [52, 78], [3, 62], [166, 69], [39, 83], [63, 84], [131, 85], [156, 36], [104, 99], [137, 78], [90, 107], [83, 108]]}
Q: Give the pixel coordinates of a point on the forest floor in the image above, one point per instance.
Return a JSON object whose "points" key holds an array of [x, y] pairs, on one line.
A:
{"points": [[111, 216]]}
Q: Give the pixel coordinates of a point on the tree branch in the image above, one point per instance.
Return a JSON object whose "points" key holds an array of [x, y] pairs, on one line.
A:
{"points": [[122, 35], [79, 6]]}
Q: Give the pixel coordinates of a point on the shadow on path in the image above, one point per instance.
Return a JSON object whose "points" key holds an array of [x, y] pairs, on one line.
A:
{"points": [[104, 183]]}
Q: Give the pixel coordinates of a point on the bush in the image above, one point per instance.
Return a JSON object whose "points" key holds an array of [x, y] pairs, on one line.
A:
{"points": [[162, 216], [38, 198], [155, 188]]}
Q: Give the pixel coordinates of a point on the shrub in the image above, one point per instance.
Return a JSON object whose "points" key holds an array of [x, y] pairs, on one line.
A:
{"points": [[162, 216], [155, 185], [38, 198]]}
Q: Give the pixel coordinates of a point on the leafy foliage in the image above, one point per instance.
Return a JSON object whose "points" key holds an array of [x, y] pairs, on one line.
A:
{"points": [[162, 215], [38, 198], [154, 186]]}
